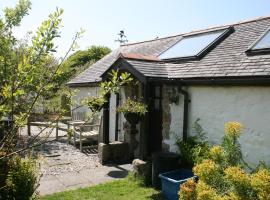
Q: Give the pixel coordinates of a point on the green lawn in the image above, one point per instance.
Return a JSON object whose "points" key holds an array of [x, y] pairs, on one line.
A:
{"points": [[125, 189]]}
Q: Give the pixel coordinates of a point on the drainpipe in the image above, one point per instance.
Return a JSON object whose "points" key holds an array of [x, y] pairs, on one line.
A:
{"points": [[185, 120]]}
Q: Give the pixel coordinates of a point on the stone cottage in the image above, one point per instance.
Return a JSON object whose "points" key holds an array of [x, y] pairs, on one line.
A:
{"points": [[217, 74]]}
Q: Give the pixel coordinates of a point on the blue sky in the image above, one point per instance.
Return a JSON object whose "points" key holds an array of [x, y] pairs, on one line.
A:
{"points": [[141, 19]]}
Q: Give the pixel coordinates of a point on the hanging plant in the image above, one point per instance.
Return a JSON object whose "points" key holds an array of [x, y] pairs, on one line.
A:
{"points": [[132, 110], [95, 104]]}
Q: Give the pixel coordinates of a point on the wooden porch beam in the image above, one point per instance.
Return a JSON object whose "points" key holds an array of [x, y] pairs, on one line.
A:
{"points": [[106, 121]]}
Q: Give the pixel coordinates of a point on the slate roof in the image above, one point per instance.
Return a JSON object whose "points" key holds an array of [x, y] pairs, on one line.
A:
{"points": [[151, 48], [227, 59]]}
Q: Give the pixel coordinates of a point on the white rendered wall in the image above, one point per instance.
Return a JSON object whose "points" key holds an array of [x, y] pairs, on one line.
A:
{"points": [[217, 105], [112, 118], [79, 94]]}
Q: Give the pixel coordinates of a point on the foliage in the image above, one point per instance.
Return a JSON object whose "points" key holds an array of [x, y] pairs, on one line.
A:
{"points": [[77, 62], [95, 103], [230, 143], [82, 57], [239, 181], [188, 190], [260, 182], [114, 83], [194, 148], [58, 104], [21, 180], [128, 188], [131, 106], [28, 73], [222, 175], [205, 192]]}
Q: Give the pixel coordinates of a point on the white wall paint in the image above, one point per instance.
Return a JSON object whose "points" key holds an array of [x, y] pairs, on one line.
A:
{"points": [[112, 118], [217, 105], [79, 94]]}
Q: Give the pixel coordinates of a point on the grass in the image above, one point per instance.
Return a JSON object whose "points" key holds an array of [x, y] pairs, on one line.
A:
{"points": [[125, 189]]}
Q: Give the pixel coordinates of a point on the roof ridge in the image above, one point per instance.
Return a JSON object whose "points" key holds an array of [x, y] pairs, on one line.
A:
{"points": [[200, 30]]}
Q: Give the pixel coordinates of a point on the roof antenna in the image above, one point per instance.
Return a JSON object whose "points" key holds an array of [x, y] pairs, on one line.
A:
{"points": [[122, 38]]}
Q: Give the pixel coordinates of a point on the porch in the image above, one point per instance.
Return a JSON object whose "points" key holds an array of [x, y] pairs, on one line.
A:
{"points": [[157, 94]]}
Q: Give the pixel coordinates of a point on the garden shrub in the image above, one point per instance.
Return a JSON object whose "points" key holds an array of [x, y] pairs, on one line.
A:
{"points": [[188, 190], [21, 180], [194, 148], [206, 192], [239, 182], [223, 173], [260, 182], [3, 170]]}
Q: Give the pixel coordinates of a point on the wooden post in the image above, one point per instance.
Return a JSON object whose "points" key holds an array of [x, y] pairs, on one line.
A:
{"points": [[57, 129], [106, 121], [68, 132], [74, 138], [28, 127], [145, 125], [81, 140]]}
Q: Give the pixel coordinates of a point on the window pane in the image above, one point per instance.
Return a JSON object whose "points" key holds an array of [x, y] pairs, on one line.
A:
{"points": [[264, 42], [191, 45]]}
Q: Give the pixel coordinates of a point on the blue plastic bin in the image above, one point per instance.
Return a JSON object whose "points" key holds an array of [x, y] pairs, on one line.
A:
{"points": [[172, 180]]}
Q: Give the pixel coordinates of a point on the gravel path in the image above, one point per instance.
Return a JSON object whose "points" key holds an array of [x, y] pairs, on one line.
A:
{"points": [[64, 167], [58, 157]]}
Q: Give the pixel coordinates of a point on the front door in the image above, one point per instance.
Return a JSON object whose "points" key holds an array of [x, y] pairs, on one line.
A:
{"points": [[155, 119]]}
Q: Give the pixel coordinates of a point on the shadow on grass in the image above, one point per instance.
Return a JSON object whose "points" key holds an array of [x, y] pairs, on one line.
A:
{"points": [[145, 183], [157, 196], [121, 173], [118, 174]]}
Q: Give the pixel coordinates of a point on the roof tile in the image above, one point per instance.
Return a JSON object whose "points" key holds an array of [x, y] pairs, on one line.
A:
{"points": [[226, 59]]}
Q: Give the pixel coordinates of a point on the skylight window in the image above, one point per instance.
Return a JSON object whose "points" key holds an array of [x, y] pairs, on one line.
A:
{"points": [[194, 46], [262, 45]]}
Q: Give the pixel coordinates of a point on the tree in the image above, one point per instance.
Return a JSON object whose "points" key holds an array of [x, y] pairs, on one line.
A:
{"points": [[28, 70], [77, 62]]}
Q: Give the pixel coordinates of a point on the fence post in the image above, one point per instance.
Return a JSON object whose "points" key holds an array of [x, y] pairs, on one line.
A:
{"points": [[57, 129], [28, 127]]}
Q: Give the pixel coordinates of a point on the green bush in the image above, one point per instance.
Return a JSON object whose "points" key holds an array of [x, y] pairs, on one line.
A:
{"points": [[3, 170], [223, 175], [21, 180], [194, 148]]}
